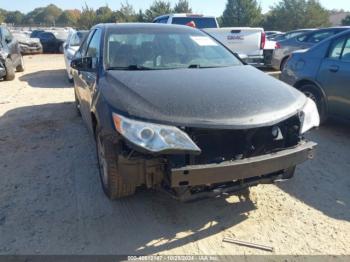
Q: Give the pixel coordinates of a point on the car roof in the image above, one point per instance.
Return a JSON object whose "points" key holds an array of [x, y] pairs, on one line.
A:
{"points": [[330, 39], [145, 26], [184, 15]]}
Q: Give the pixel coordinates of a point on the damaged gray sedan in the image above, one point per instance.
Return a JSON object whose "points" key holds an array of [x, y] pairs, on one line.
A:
{"points": [[172, 108]]}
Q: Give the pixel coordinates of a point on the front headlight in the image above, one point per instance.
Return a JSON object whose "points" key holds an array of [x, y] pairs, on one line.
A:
{"points": [[153, 137], [310, 116]]}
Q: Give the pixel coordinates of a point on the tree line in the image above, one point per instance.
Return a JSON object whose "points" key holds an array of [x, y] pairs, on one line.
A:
{"points": [[285, 15]]}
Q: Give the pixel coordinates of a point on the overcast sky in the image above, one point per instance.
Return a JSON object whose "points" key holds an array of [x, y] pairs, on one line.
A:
{"points": [[209, 7]]}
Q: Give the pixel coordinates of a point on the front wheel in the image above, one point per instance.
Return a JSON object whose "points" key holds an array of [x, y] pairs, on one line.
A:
{"points": [[20, 67], [113, 182], [10, 71], [289, 173]]}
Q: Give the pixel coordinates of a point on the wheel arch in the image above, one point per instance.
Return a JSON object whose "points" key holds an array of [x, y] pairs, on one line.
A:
{"points": [[298, 85], [284, 60]]}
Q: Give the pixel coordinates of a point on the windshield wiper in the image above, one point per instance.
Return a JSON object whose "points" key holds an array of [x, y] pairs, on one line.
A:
{"points": [[199, 66], [130, 67]]}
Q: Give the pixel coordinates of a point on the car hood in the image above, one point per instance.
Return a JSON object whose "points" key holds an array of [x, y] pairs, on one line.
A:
{"points": [[231, 97]]}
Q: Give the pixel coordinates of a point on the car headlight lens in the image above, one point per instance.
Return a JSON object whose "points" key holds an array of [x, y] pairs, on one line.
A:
{"points": [[153, 137], [310, 116]]}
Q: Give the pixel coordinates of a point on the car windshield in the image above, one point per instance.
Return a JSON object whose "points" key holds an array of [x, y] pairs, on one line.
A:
{"points": [[200, 22], [147, 50]]}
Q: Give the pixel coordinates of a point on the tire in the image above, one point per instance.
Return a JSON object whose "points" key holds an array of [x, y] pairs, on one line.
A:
{"points": [[315, 94], [77, 103], [10, 71], [20, 67], [283, 63], [60, 49], [289, 173], [113, 183]]}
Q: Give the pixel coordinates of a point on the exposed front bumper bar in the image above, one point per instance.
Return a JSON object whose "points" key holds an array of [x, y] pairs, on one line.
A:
{"points": [[241, 169]]}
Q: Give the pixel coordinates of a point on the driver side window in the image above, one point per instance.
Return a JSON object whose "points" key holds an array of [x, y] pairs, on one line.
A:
{"points": [[93, 49], [82, 51]]}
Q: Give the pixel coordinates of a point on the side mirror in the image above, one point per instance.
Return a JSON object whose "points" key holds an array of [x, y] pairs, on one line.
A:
{"points": [[82, 64]]}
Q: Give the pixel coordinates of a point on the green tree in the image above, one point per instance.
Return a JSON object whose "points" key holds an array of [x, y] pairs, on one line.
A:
{"points": [[88, 18], [69, 18], [126, 14], [346, 21], [158, 8], [293, 14], [15, 17], [140, 17], [49, 15], [30, 17], [182, 6], [2, 15], [242, 13], [104, 15]]}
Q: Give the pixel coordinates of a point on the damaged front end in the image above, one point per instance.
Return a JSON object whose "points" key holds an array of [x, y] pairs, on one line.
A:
{"points": [[224, 160]]}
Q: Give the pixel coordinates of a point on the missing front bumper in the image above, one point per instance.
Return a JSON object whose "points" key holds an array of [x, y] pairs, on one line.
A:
{"points": [[242, 169]]}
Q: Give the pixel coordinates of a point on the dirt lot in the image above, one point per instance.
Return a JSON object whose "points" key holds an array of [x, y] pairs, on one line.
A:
{"points": [[51, 201]]}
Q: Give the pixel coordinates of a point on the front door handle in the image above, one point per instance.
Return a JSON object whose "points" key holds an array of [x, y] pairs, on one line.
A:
{"points": [[334, 68]]}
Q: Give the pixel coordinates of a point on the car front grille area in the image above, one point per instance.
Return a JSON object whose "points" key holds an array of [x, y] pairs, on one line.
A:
{"points": [[227, 145]]}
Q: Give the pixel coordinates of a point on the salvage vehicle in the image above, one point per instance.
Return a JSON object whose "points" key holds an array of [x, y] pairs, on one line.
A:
{"points": [[172, 108], [247, 42], [52, 42], [304, 41], [71, 46], [28, 45], [323, 74], [11, 59]]}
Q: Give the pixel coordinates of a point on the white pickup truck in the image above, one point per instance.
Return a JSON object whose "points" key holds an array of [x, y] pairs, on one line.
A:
{"points": [[247, 42]]}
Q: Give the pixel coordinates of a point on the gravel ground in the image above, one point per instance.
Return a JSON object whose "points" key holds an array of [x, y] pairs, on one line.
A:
{"points": [[51, 201]]}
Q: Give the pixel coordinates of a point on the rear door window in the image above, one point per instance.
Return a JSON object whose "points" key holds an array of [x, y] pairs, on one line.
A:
{"points": [[319, 36], [163, 20], [201, 22], [346, 52], [336, 48]]}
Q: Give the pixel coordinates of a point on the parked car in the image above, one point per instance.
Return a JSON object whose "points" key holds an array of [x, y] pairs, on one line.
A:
{"points": [[167, 109], [247, 42], [52, 42], [272, 34], [292, 34], [11, 59], [70, 48], [303, 41], [28, 45], [323, 74]]}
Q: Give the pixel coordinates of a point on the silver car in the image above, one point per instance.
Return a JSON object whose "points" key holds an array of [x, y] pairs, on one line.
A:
{"points": [[71, 46], [304, 41]]}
